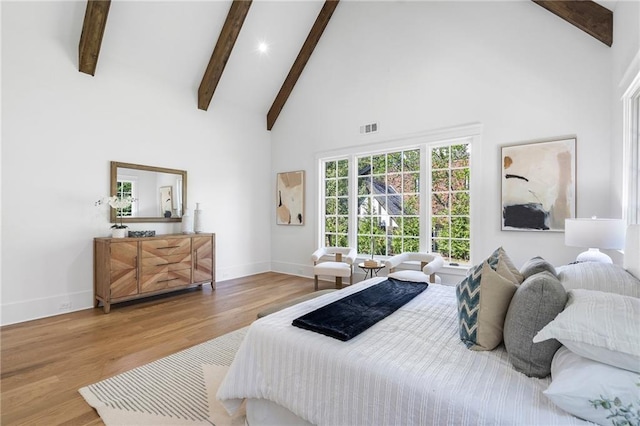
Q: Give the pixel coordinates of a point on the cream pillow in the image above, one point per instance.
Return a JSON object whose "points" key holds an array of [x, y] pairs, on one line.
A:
{"points": [[483, 301], [601, 326], [505, 263]]}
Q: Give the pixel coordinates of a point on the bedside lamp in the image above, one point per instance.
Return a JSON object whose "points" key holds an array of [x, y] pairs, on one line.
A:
{"points": [[595, 234]]}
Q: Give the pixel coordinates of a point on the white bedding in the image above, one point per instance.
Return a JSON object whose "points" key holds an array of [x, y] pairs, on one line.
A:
{"points": [[409, 369]]}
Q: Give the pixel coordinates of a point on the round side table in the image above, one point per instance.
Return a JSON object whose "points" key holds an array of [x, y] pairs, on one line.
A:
{"points": [[369, 271]]}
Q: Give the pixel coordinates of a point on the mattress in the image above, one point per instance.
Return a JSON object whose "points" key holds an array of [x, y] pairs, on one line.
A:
{"points": [[410, 368]]}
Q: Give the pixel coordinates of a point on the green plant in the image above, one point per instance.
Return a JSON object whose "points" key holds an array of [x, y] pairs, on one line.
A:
{"points": [[619, 413]]}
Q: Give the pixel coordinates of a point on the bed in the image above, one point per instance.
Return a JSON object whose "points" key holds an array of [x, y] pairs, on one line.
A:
{"points": [[409, 369]]}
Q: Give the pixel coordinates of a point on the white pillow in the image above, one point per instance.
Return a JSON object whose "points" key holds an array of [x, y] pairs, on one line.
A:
{"points": [[599, 276], [584, 388], [601, 326]]}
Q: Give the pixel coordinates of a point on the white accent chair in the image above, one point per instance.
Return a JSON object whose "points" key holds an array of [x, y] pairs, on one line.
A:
{"points": [[430, 263], [334, 261]]}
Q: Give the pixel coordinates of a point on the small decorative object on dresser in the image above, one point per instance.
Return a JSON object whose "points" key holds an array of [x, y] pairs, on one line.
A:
{"points": [[197, 219], [118, 232], [133, 268], [122, 206], [187, 222], [136, 234]]}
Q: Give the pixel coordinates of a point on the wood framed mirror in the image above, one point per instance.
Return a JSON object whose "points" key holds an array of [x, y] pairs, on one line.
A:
{"points": [[160, 194]]}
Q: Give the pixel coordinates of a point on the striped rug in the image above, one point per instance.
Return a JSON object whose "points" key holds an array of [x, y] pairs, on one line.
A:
{"points": [[176, 390]]}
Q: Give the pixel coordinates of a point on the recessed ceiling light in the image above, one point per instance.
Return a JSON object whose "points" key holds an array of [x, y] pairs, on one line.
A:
{"points": [[263, 47]]}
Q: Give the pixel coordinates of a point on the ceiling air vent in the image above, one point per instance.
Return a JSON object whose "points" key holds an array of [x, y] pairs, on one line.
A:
{"points": [[369, 128]]}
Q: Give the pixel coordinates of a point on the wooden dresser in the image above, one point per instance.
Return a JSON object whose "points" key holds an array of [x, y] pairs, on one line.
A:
{"points": [[132, 268]]}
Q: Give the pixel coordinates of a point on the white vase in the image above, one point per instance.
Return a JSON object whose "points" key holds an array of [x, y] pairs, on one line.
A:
{"points": [[118, 232], [187, 222], [197, 219]]}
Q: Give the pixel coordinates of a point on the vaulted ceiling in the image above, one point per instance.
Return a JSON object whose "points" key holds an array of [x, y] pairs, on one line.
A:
{"points": [[204, 42]]}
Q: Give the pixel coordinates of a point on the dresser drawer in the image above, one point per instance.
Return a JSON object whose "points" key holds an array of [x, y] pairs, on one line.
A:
{"points": [[157, 265], [166, 247], [155, 282]]}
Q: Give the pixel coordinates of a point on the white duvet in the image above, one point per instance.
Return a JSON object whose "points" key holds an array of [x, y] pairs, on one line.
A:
{"points": [[409, 369]]}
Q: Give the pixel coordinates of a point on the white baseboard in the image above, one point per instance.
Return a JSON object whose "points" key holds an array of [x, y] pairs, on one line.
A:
{"points": [[45, 307], [27, 310], [300, 270], [239, 271]]}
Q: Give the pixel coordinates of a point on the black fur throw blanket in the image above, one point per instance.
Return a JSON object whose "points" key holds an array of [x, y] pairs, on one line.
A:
{"points": [[353, 314]]}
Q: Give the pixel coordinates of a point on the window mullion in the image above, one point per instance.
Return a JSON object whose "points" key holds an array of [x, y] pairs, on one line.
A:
{"points": [[353, 203], [425, 198]]}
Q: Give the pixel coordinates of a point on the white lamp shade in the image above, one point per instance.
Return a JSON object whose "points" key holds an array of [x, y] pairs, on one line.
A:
{"points": [[595, 233]]}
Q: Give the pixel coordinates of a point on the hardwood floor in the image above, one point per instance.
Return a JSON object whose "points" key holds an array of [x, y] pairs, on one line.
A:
{"points": [[46, 361]]}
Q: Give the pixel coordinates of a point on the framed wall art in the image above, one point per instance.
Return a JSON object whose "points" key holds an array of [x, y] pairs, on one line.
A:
{"points": [[290, 198], [538, 185]]}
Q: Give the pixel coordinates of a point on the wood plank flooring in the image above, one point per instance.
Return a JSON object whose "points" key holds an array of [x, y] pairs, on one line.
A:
{"points": [[44, 362]]}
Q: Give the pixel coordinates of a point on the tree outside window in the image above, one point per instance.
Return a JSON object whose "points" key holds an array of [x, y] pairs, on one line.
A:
{"points": [[389, 217], [336, 203]]}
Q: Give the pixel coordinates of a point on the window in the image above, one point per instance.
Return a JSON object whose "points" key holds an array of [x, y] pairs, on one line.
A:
{"points": [[388, 212], [336, 203], [396, 199], [125, 189], [450, 212]]}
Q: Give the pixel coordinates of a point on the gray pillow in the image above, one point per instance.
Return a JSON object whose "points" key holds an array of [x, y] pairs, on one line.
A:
{"points": [[538, 300], [535, 265]]}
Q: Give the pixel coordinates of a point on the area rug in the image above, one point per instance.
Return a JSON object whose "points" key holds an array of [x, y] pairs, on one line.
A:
{"points": [[176, 390]]}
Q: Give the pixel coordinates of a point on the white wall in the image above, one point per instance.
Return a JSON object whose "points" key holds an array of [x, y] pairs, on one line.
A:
{"points": [[521, 72], [60, 129], [517, 69], [626, 66]]}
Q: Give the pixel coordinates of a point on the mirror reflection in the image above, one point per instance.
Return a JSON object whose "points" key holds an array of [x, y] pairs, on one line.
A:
{"points": [[159, 193]]}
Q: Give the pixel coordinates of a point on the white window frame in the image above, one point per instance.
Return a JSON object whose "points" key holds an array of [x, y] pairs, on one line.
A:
{"points": [[470, 133], [428, 158], [631, 152]]}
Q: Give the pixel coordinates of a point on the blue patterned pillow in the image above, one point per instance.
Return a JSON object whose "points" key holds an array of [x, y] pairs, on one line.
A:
{"points": [[468, 295], [484, 287]]}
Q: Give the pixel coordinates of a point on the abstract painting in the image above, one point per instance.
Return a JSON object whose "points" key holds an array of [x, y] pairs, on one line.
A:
{"points": [[290, 198], [538, 185]]}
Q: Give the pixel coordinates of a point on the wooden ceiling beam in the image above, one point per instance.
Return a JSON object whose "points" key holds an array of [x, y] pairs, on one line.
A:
{"points": [[95, 20], [222, 51], [303, 57], [589, 16]]}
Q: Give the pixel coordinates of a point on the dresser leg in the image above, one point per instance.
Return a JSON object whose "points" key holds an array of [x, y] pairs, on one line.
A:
{"points": [[106, 307]]}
